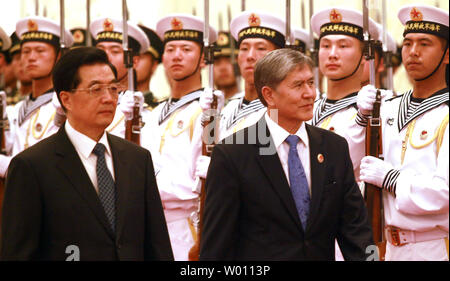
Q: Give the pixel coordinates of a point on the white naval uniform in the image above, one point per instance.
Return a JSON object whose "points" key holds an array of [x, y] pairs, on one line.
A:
{"points": [[341, 119], [421, 200], [27, 131], [171, 144], [236, 115]]}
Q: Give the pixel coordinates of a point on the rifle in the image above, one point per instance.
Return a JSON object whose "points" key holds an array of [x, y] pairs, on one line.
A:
{"points": [[62, 37], [236, 71], [208, 132], [373, 143], [313, 52], [132, 126], [88, 23], [387, 54]]}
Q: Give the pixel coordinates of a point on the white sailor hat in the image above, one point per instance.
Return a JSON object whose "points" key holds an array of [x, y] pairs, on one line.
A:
{"points": [[391, 44], [257, 24], [183, 27], [41, 29], [301, 37], [424, 19], [111, 30], [342, 21], [5, 41]]}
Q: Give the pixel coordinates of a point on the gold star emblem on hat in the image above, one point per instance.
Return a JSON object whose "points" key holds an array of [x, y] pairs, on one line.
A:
{"points": [[176, 24], [254, 20], [335, 16], [78, 36], [108, 25], [416, 14], [32, 25], [222, 40]]}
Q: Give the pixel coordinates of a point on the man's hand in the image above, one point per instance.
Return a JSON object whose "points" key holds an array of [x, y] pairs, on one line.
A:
{"points": [[127, 101], [206, 99], [201, 167], [374, 170]]}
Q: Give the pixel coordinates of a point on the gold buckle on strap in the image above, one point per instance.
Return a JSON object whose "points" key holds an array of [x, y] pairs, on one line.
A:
{"points": [[395, 236]]}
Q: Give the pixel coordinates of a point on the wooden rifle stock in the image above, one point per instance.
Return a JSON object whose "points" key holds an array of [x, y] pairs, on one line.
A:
{"points": [[194, 252], [373, 193], [134, 125]]}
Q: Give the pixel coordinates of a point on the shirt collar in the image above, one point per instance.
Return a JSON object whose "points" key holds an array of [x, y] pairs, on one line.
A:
{"points": [[83, 144], [279, 134]]}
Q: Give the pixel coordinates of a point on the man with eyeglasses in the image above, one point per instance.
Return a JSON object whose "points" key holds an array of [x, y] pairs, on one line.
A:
{"points": [[84, 202]]}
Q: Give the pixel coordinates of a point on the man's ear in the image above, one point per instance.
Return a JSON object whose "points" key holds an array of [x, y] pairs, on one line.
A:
{"points": [[446, 58], [65, 100], [268, 95], [136, 61], [202, 60]]}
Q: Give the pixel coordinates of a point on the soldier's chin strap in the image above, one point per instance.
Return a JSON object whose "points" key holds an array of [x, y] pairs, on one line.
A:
{"points": [[354, 71], [437, 67], [195, 70]]}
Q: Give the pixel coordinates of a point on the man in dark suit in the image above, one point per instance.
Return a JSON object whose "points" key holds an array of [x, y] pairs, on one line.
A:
{"points": [[83, 194], [281, 189]]}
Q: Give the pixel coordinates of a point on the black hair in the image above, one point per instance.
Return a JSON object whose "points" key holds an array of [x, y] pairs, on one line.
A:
{"points": [[65, 73]]}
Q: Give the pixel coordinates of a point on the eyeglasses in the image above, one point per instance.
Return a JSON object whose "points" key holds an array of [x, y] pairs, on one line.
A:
{"points": [[98, 89]]}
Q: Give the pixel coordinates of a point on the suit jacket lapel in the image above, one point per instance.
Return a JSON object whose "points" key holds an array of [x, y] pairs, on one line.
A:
{"points": [[69, 163], [271, 165], [122, 175], [317, 172]]}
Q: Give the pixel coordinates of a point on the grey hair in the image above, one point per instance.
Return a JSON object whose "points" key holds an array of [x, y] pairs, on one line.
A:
{"points": [[273, 68]]}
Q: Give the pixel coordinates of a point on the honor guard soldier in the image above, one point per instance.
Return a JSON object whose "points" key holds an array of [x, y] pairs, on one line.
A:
{"points": [[225, 77], [35, 117], [169, 131], [415, 171], [8, 81], [341, 60], [5, 43], [146, 67], [23, 79], [108, 35]]}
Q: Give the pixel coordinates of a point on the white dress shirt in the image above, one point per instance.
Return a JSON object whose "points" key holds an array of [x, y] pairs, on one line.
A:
{"points": [[84, 147], [279, 136]]}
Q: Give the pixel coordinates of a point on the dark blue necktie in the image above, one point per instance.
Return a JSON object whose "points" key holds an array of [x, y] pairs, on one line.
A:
{"points": [[298, 181], [106, 189]]}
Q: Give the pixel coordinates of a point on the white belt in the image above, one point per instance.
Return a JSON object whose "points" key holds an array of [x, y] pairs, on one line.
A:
{"points": [[400, 237]]}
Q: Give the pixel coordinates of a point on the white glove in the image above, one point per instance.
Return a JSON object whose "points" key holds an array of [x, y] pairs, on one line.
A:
{"points": [[366, 99], [4, 163], [127, 101], [60, 115], [201, 166], [206, 99], [374, 170], [3, 97]]}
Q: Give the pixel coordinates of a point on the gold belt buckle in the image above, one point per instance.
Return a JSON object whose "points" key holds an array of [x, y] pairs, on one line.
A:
{"points": [[395, 237]]}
